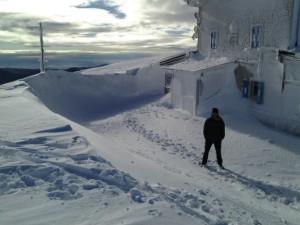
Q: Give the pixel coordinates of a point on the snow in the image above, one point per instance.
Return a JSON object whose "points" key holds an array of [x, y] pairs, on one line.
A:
{"points": [[100, 147], [192, 65]]}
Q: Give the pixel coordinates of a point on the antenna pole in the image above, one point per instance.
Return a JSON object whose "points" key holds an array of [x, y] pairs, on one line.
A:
{"points": [[42, 60]]}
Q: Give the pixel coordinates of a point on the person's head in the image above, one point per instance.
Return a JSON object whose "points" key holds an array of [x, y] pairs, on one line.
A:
{"points": [[215, 112]]}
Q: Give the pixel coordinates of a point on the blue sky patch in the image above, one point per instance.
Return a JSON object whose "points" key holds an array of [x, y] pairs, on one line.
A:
{"points": [[102, 4]]}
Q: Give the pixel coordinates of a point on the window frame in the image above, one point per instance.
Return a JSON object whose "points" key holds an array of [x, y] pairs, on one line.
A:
{"points": [[258, 37], [214, 44]]}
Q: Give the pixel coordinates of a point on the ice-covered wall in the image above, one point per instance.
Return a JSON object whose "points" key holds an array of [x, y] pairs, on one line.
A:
{"points": [[217, 89], [191, 90], [233, 19], [281, 102]]}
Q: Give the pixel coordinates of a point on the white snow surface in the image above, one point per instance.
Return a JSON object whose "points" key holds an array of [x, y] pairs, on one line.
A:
{"points": [[101, 147], [193, 65]]}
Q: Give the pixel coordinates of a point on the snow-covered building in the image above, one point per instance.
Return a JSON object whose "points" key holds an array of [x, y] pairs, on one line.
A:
{"points": [[258, 43]]}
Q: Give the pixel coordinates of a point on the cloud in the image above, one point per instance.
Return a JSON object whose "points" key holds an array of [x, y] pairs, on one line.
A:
{"points": [[143, 26], [104, 5], [29, 25], [23, 25], [168, 12], [13, 22]]}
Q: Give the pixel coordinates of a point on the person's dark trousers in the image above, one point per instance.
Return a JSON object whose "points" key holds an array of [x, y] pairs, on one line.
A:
{"points": [[208, 145]]}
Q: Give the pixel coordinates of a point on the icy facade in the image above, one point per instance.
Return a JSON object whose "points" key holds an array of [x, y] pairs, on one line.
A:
{"points": [[251, 33]]}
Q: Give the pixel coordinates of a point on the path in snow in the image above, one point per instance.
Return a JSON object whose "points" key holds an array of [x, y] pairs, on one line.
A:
{"points": [[165, 136], [139, 166]]}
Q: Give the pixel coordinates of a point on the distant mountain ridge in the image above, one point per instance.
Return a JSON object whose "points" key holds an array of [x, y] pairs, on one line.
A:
{"points": [[11, 74]]}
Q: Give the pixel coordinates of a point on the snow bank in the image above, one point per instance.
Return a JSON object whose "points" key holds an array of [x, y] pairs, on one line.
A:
{"points": [[55, 171], [85, 97]]}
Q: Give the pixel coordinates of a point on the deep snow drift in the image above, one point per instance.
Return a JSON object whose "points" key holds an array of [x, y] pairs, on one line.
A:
{"points": [[111, 150]]}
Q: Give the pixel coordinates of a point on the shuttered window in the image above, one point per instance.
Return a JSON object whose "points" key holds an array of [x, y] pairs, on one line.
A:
{"points": [[213, 39], [256, 36]]}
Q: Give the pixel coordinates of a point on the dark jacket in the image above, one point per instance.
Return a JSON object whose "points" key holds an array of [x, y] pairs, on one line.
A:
{"points": [[214, 129]]}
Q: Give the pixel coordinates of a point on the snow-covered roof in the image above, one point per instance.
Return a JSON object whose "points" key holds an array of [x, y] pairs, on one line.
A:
{"points": [[124, 66], [193, 65], [130, 66]]}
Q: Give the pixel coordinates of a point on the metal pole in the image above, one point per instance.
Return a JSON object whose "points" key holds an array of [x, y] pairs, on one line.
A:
{"points": [[42, 60]]}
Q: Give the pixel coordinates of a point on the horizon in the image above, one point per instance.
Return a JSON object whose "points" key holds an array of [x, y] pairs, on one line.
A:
{"points": [[64, 60], [90, 28]]}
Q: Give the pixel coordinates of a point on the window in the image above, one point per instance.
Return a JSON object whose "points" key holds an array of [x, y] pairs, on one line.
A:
{"points": [[213, 39], [253, 89], [257, 91], [256, 36]]}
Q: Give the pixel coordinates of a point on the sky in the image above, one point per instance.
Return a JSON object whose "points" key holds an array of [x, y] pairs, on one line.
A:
{"points": [[89, 28]]}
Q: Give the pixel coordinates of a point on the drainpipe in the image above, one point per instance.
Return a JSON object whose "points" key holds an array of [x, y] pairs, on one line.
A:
{"points": [[295, 32], [298, 22], [199, 21], [260, 58]]}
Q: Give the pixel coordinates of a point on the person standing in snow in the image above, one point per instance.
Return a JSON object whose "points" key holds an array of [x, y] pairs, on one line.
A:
{"points": [[214, 133]]}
